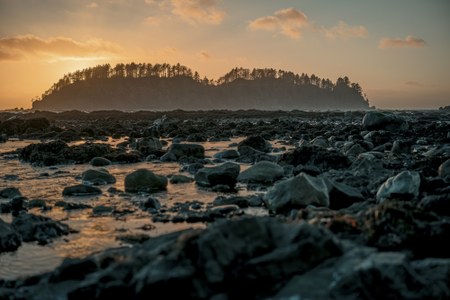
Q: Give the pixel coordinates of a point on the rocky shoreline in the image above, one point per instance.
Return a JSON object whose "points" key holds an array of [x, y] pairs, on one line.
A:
{"points": [[357, 205]]}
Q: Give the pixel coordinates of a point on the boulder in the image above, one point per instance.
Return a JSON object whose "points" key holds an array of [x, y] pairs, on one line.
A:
{"points": [[98, 177], [262, 172], [225, 174], [297, 192], [81, 190], [144, 180], [378, 120], [9, 239], [342, 195], [256, 142], [405, 185], [177, 151]]}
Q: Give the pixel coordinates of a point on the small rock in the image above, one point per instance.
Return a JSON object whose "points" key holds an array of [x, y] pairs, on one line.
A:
{"points": [[262, 172], [10, 193], [225, 174], [98, 177], [102, 210], [152, 203], [256, 142], [177, 151], [9, 239], [100, 162], [227, 154], [81, 190], [177, 179]]}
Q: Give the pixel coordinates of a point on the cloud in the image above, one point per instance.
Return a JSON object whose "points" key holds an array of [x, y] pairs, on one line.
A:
{"points": [[413, 83], [204, 55], [92, 5], [152, 20], [29, 46], [288, 22], [198, 11], [344, 31], [408, 42]]}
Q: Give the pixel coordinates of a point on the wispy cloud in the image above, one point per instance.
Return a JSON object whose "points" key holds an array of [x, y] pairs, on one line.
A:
{"points": [[288, 22], [92, 5], [204, 55], [413, 83], [29, 46], [408, 42], [344, 31], [152, 20]]}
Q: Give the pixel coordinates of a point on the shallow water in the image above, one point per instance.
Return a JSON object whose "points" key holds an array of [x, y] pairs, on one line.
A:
{"points": [[94, 233]]}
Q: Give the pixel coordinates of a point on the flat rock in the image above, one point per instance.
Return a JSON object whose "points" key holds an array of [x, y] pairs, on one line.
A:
{"points": [[81, 190], [144, 180], [262, 172]]}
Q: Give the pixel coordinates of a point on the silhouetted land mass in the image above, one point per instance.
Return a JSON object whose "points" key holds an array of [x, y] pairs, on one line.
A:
{"points": [[166, 87]]}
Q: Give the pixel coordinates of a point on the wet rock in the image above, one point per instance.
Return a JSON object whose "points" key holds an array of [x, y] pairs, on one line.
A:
{"points": [[18, 205], [405, 185], [225, 174], [3, 138], [102, 210], [100, 162], [9, 239], [196, 137], [262, 172], [144, 180], [81, 190], [73, 269], [444, 169], [308, 169], [316, 156], [71, 205], [297, 192], [378, 120], [177, 179], [227, 154], [192, 168], [223, 210], [242, 202], [177, 151], [342, 195], [401, 147], [249, 155], [256, 142], [10, 192], [151, 203], [98, 177], [40, 203], [38, 228], [439, 204]]}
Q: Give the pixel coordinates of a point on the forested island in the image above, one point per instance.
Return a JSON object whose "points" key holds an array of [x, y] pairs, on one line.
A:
{"points": [[167, 87]]}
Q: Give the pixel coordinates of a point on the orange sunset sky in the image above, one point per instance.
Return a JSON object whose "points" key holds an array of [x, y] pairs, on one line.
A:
{"points": [[399, 51]]}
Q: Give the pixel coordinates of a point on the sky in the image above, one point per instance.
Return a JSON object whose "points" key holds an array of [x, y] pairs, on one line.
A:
{"points": [[397, 50]]}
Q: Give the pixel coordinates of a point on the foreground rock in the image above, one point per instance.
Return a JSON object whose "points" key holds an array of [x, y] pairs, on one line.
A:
{"points": [[38, 228], [297, 192], [404, 185], [9, 238], [144, 180], [225, 174]]}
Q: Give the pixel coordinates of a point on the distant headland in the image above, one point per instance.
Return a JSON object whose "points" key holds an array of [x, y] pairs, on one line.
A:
{"points": [[168, 87]]}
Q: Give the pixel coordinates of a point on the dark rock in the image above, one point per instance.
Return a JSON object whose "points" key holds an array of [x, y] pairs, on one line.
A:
{"points": [[10, 192], [37, 203], [38, 228], [444, 169], [152, 203], [223, 210], [177, 151], [405, 184], [250, 155], [242, 202], [227, 154], [342, 195], [9, 239], [401, 147], [316, 156], [70, 205], [102, 210], [98, 177], [377, 120], [308, 169], [192, 168], [100, 162], [440, 204], [225, 174], [297, 192], [81, 190], [73, 269], [262, 172], [3, 138], [144, 180], [177, 179], [147, 146], [256, 142]]}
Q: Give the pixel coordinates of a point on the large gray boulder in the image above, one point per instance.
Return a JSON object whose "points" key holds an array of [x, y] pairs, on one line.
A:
{"points": [[177, 151], [225, 174], [262, 172], [405, 184], [297, 192], [143, 180], [379, 120]]}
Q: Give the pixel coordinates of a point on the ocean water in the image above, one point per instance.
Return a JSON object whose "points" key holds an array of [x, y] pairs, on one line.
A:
{"points": [[94, 233]]}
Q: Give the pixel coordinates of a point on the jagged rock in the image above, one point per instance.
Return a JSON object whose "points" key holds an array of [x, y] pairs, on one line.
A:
{"points": [[378, 120], [262, 172], [147, 146], [100, 162], [98, 177], [405, 184], [225, 174], [38, 228], [9, 239], [256, 142], [177, 151], [342, 195], [144, 180], [81, 190], [297, 192], [151, 203]]}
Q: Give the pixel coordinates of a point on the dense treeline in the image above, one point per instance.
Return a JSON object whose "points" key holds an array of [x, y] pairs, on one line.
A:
{"points": [[165, 86]]}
